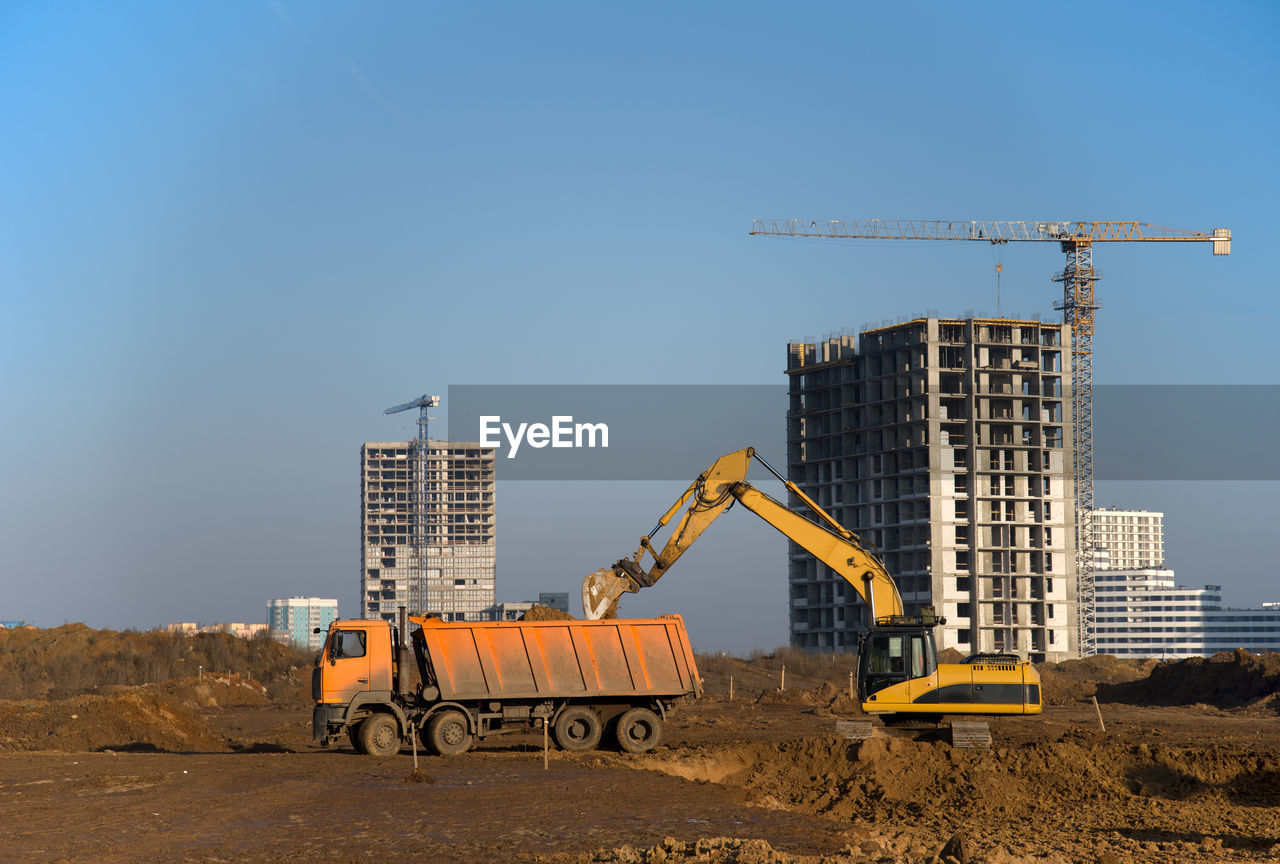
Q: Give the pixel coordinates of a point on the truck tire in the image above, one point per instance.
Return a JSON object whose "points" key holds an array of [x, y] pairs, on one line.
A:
{"points": [[379, 735], [578, 729], [353, 735], [639, 730], [447, 733]]}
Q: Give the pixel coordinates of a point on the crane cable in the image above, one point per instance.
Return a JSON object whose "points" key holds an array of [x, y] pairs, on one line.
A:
{"points": [[997, 250]]}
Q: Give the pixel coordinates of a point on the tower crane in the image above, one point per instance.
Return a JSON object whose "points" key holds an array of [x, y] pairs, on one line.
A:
{"points": [[422, 403], [1076, 239], [418, 588]]}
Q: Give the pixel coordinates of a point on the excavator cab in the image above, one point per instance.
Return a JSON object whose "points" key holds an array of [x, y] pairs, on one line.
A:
{"points": [[893, 655]]}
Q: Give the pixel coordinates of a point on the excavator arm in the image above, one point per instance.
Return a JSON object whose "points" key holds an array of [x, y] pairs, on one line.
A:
{"points": [[710, 495]]}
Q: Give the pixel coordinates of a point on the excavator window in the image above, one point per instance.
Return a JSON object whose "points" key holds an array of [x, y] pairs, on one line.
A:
{"points": [[892, 658]]}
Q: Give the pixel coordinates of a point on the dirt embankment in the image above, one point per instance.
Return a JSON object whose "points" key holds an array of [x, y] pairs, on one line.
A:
{"points": [[1237, 679], [1073, 680], [65, 661], [76, 689], [1025, 801], [139, 719], [172, 716]]}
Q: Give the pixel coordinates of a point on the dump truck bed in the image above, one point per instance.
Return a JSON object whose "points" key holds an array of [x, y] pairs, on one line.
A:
{"points": [[558, 659]]}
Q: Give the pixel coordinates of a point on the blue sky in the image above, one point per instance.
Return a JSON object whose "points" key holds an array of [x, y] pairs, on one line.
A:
{"points": [[231, 234]]}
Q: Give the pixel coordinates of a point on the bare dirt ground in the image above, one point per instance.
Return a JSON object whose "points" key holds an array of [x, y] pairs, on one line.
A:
{"points": [[213, 771]]}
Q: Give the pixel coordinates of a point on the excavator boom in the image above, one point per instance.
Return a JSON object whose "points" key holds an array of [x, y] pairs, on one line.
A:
{"points": [[711, 494]]}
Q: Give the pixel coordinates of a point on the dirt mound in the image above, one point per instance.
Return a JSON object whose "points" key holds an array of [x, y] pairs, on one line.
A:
{"points": [[822, 695], [545, 613], [734, 850], [214, 691], [1229, 680], [138, 719], [64, 661], [889, 781], [865, 847], [1073, 680], [825, 699], [762, 675]]}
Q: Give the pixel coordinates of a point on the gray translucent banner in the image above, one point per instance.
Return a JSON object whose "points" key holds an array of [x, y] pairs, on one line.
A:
{"points": [[655, 432], [659, 432], [1186, 432]]}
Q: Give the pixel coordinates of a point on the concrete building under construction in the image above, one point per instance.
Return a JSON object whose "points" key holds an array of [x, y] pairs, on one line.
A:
{"points": [[946, 443], [427, 529]]}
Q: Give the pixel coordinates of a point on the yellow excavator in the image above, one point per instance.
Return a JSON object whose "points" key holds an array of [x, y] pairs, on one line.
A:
{"points": [[898, 670]]}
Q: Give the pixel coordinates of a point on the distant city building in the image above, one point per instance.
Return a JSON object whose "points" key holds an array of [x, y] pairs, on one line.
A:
{"points": [[554, 600], [1145, 613], [512, 611], [509, 611], [947, 444], [427, 531], [235, 628], [295, 619], [1130, 539]]}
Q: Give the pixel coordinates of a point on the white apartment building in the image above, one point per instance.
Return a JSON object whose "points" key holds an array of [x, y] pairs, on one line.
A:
{"points": [[1145, 613], [1132, 539]]}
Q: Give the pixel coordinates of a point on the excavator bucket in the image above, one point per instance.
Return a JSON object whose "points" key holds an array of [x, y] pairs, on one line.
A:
{"points": [[600, 593]]}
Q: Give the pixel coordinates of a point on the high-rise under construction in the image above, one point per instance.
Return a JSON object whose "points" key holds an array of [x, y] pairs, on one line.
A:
{"points": [[947, 444], [427, 529]]}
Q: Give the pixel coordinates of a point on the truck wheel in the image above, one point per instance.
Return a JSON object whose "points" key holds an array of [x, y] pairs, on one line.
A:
{"points": [[353, 735], [578, 729], [447, 733], [639, 730], [379, 736]]}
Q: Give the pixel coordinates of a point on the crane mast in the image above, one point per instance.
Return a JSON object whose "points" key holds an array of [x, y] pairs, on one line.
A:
{"points": [[418, 520], [1078, 305]]}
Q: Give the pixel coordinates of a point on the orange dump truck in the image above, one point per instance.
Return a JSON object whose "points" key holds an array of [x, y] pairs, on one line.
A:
{"points": [[463, 682]]}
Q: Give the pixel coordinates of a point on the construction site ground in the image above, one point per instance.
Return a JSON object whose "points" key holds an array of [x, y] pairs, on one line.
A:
{"points": [[215, 771]]}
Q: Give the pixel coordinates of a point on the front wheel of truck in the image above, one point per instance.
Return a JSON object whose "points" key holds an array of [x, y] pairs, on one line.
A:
{"points": [[447, 733], [379, 736], [353, 735]]}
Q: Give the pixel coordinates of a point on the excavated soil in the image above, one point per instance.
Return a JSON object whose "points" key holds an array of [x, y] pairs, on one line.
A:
{"points": [[545, 613], [215, 770]]}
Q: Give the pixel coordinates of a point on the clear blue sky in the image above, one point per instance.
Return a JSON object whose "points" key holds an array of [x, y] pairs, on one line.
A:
{"points": [[232, 233]]}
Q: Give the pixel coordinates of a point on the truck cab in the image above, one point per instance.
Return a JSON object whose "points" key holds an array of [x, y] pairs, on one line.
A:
{"points": [[352, 674]]}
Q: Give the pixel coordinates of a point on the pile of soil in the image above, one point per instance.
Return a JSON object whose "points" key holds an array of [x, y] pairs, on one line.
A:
{"points": [[826, 699], [887, 782], [1229, 680], [793, 696], [545, 613], [1075, 680], [732, 850], [134, 719], [213, 691], [57, 662]]}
